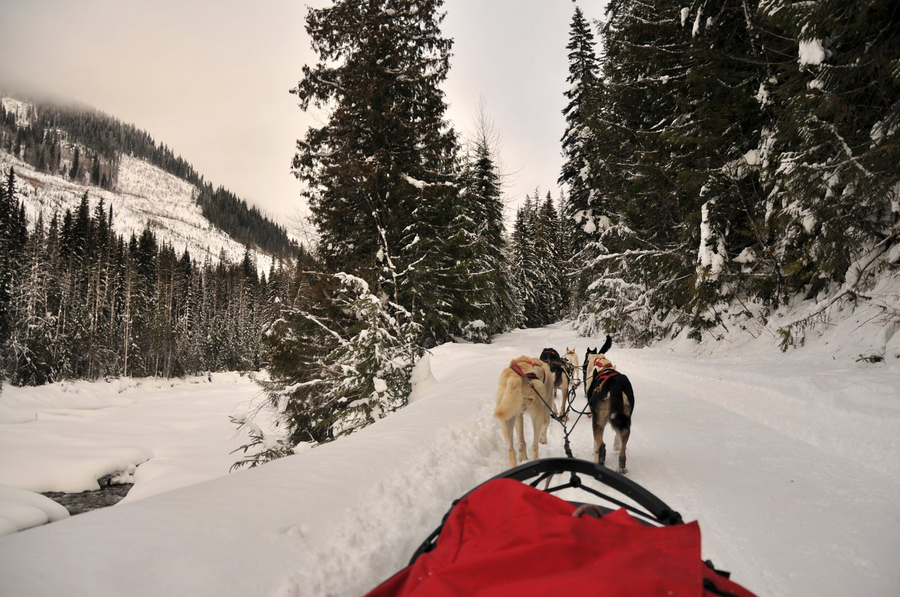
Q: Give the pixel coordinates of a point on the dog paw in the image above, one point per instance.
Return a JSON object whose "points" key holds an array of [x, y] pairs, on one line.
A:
{"points": [[622, 471]]}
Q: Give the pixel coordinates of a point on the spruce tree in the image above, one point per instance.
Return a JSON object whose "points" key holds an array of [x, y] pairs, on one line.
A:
{"points": [[379, 172], [838, 107], [580, 143], [492, 293]]}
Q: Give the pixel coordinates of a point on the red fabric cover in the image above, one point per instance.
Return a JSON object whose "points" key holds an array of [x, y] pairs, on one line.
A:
{"points": [[507, 538]]}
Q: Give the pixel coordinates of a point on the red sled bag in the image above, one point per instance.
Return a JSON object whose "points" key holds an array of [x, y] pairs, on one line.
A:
{"points": [[508, 538]]}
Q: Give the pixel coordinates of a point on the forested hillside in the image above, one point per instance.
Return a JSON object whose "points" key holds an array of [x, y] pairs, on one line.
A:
{"points": [[86, 145]]}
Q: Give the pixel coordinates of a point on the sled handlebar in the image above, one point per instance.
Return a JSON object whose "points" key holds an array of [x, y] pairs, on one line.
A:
{"points": [[533, 473], [657, 511]]}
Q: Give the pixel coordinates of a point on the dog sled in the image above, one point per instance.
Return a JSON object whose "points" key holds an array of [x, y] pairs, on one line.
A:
{"points": [[520, 534]]}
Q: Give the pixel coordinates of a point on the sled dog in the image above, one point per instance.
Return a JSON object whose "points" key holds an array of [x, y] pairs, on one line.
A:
{"points": [[526, 386], [611, 400], [587, 368], [572, 357], [562, 375]]}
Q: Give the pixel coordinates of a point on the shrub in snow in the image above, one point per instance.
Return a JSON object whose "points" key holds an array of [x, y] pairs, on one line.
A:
{"points": [[341, 364], [476, 331]]}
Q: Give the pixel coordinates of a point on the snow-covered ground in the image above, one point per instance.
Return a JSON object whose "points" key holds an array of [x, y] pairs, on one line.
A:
{"points": [[791, 463]]}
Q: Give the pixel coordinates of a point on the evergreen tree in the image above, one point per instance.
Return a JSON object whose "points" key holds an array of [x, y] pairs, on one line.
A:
{"points": [[528, 279], [9, 209], [75, 169], [546, 235], [363, 374], [380, 171], [492, 293], [838, 109], [95, 171], [580, 144]]}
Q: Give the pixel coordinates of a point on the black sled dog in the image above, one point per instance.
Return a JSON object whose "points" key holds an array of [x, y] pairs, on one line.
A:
{"points": [[611, 400], [562, 375]]}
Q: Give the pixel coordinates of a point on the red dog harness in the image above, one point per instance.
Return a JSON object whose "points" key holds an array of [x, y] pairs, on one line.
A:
{"points": [[532, 375], [601, 376]]}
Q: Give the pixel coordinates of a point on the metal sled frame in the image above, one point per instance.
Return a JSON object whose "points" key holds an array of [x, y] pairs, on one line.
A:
{"points": [[655, 512]]}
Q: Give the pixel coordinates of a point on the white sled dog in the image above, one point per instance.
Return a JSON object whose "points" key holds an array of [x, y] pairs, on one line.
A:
{"points": [[572, 357], [526, 386]]}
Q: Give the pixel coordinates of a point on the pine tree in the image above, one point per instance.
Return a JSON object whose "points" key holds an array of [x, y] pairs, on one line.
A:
{"points": [[336, 365], [75, 169], [528, 279], [8, 210]]}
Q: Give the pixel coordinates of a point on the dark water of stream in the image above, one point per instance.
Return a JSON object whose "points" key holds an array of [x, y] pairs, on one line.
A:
{"points": [[77, 503]]}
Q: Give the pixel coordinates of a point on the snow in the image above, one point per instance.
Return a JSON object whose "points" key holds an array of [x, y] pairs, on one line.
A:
{"points": [[711, 253], [414, 182], [790, 462], [19, 108], [762, 95], [811, 52]]}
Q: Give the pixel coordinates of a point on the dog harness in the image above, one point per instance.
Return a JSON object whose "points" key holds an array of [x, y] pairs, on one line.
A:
{"points": [[600, 378], [601, 362], [538, 366]]}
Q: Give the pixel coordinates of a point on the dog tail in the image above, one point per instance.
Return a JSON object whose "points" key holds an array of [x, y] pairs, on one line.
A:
{"points": [[606, 345], [508, 402], [620, 421], [618, 417]]}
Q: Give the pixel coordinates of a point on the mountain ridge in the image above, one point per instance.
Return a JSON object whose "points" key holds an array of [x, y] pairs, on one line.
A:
{"points": [[82, 145]]}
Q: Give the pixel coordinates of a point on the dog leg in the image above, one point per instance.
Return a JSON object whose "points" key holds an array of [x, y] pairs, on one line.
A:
{"points": [[599, 446], [539, 426], [598, 424], [520, 431], [624, 435], [600, 453], [507, 428]]}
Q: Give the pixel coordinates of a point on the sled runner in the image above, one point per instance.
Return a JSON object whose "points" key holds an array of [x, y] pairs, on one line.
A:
{"points": [[509, 537]]}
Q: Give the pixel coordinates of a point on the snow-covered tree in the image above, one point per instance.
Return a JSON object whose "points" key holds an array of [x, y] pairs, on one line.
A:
{"points": [[338, 369], [580, 144]]}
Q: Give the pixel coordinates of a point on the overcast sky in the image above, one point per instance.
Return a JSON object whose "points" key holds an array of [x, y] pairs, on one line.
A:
{"points": [[210, 79]]}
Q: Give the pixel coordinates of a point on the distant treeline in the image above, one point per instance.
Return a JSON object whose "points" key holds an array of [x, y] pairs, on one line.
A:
{"points": [[78, 301], [84, 144]]}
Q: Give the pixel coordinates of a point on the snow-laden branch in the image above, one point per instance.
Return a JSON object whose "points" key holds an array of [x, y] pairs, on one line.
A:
{"points": [[847, 149], [316, 321], [853, 277]]}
